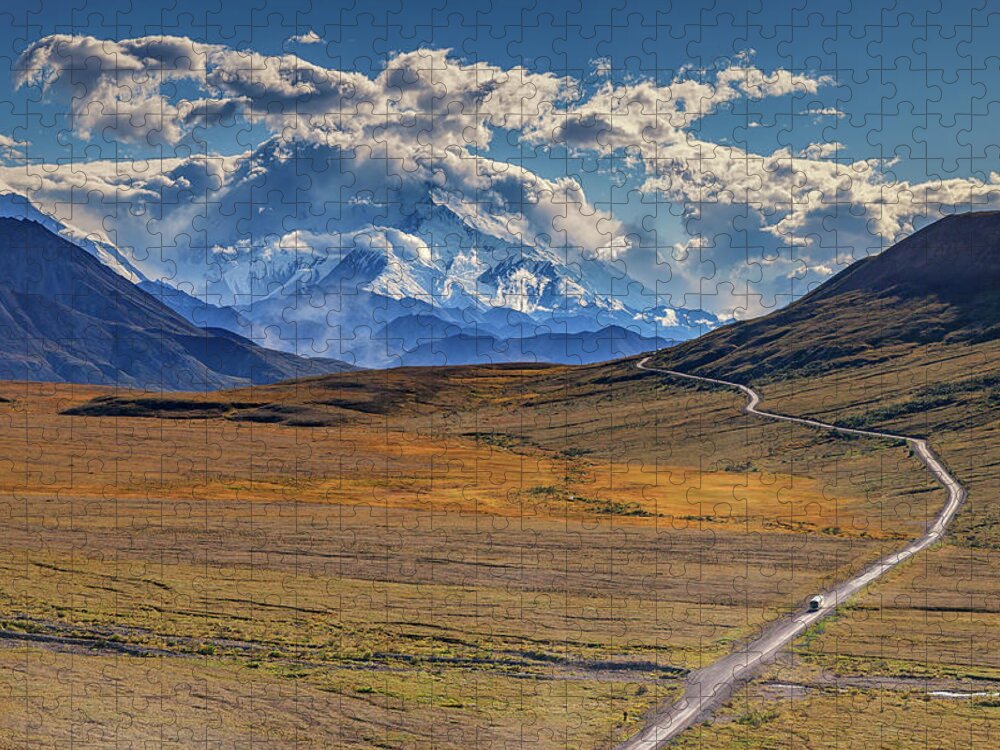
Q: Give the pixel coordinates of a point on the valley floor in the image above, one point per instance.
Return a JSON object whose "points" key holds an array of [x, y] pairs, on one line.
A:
{"points": [[131, 619], [516, 557]]}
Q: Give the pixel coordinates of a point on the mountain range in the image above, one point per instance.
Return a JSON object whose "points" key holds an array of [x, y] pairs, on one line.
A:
{"points": [[903, 312], [290, 279], [441, 268], [74, 307], [66, 316]]}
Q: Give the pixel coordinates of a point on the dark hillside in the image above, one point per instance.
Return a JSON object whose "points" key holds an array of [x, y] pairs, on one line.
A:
{"points": [[65, 317], [942, 284]]}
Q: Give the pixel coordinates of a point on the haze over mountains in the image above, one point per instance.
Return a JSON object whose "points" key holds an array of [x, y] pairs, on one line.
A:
{"points": [[75, 308], [451, 270]]}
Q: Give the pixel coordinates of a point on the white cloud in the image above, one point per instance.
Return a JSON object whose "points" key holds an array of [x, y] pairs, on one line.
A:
{"points": [[375, 147], [757, 84], [821, 150], [11, 149], [601, 67], [651, 117], [114, 88], [310, 37], [421, 97], [819, 112], [669, 319]]}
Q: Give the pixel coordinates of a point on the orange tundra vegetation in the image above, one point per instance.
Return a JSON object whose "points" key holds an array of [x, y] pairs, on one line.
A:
{"points": [[379, 439], [401, 558]]}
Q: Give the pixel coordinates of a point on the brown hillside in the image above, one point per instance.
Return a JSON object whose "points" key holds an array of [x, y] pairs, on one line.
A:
{"points": [[942, 284]]}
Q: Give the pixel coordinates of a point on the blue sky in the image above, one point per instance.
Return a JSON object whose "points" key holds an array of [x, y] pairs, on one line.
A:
{"points": [[907, 88], [913, 80]]}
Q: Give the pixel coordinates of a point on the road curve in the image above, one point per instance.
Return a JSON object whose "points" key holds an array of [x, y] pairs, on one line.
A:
{"points": [[708, 687]]}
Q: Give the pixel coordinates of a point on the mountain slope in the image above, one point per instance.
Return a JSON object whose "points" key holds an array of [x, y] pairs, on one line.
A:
{"points": [[15, 206], [956, 258], [583, 347], [328, 284], [193, 309], [65, 316], [942, 284], [905, 342]]}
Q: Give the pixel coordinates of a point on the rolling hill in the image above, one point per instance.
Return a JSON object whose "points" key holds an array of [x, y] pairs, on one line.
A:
{"points": [[941, 285], [66, 317], [907, 341], [557, 347]]}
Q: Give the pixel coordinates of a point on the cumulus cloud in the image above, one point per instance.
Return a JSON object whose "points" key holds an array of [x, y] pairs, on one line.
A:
{"points": [[310, 37], [735, 199], [11, 149], [417, 127], [757, 84], [821, 150], [648, 117], [370, 150], [114, 86], [210, 112], [424, 95]]}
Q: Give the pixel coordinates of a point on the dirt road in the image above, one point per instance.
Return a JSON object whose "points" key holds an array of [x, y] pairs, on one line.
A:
{"points": [[712, 685]]}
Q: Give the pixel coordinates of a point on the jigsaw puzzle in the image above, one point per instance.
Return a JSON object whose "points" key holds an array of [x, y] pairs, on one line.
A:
{"points": [[490, 375]]}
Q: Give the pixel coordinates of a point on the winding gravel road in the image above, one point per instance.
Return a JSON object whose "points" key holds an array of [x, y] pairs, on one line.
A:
{"points": [[708, 687]]}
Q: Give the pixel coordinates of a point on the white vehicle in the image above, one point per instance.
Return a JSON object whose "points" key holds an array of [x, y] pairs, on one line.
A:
{"points": [[815, 603]]}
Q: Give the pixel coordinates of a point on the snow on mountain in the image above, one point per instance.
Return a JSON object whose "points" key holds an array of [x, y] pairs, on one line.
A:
{"points": [[15, 206], [316, 255]]}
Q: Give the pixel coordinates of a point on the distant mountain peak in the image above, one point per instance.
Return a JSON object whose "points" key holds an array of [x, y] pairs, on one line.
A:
{"points": [[322, 286]]}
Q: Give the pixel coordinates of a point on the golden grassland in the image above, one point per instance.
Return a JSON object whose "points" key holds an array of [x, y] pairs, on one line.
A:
{"points": [[407, 558], [449, 619], [912, 663], [775, 715], [944, 604], [949, 393], [110, 701], [554, 455]]}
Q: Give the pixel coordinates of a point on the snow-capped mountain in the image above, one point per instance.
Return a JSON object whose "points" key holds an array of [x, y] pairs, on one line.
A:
{"points": [[302, 256]]}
